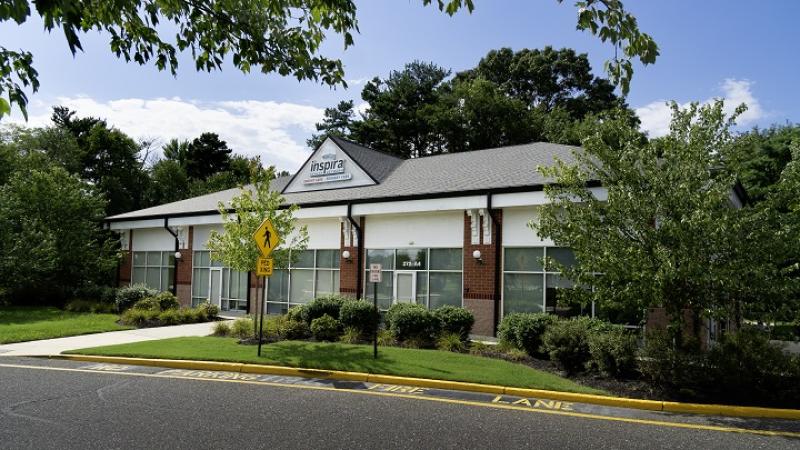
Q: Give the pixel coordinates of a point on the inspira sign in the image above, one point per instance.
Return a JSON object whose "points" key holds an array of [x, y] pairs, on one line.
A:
{"points": [[327, 169]]}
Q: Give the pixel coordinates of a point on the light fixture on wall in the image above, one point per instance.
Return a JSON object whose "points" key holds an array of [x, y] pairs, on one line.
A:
{"points": [[477, 255], [177, 255], [346, 255]]}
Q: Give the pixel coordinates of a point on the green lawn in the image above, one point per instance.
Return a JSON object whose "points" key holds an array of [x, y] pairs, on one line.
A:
{"points": [[18, 324], [391, 360]]}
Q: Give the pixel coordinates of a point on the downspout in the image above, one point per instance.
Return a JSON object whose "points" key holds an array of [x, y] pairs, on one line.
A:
{"points": [[497, 260], [359, 250], [175, 264]]}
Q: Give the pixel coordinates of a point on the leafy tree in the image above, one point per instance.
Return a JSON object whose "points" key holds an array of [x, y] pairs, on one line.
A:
{"points": [[276, 36], [763, 155], [168, 183], [237, 175], [235, 246], [50, 248], [337, 121], [207, 155], [667, 234], [547, 79], [177, 150]]}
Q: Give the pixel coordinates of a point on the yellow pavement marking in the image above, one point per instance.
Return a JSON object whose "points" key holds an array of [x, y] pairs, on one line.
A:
{"points": [[493, 405]]}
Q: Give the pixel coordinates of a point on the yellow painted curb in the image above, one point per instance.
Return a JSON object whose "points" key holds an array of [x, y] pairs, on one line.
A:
{"points": [[650, 405]]}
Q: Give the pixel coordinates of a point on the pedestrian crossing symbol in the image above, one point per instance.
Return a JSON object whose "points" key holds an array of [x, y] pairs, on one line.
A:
{"points": [[266, 238]]}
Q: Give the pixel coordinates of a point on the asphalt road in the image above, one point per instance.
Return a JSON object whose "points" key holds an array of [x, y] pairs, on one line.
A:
{"points": [[43, 406]]}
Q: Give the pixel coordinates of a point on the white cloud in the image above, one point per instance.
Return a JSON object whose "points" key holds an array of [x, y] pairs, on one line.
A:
{"points": [[656, 116], [275, 131]]}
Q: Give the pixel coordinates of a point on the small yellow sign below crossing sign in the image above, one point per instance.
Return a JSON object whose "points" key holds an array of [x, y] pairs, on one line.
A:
{"points": [[264, 267], [266, 238]]}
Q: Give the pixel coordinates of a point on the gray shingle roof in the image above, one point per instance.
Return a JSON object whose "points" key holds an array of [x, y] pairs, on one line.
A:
{"points": [[447, 174]]}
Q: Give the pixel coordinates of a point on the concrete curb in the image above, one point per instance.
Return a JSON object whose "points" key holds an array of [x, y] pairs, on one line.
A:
{"points": [[650, 405]]}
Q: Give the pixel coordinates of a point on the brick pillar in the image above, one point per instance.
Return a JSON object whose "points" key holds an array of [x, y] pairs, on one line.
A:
{"points": [[481, 283], [185, 271], [126, 264], [349, 268]]}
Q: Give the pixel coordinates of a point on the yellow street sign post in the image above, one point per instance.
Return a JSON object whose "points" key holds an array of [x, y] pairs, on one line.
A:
{"points": [[267, 238]]}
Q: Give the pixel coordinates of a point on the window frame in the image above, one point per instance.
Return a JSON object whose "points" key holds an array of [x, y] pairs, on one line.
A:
{"points": [[164, 254]]}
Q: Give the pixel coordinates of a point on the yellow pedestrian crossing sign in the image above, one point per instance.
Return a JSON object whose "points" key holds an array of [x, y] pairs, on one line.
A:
{"points": [[264, 267], [266, 238]]}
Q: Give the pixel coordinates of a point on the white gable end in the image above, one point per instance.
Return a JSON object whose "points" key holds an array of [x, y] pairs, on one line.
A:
{"points": [[328, 168]]}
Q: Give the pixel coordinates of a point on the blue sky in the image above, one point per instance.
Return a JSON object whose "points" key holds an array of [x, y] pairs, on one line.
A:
{"points": [[738, 50]]}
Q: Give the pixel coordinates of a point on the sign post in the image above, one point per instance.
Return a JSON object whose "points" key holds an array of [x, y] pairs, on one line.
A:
{"points": [[267, 238], [375, 276]]}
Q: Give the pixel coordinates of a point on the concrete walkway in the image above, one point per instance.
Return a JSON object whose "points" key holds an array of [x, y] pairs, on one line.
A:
{"points": [[56, 346]]}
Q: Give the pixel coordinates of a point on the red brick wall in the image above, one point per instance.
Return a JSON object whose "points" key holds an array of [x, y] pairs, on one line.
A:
{"points": [[480, 277], [658, 319], [349, 268], [126, 265]]}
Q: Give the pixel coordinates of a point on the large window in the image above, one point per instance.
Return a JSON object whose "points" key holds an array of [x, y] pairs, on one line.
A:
{"points": [[437, 275], [219, 285], [529, 285], [311, 274], [154, 269]]}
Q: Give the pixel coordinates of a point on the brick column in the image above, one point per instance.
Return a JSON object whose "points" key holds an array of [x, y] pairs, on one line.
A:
{"points": [[349, 268], [185, 271], [481, 281], [126, 264]]}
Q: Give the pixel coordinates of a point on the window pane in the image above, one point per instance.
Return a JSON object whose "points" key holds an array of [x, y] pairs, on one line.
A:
{"points": [[238, 285], [153, 277], [301, 288], [383, 257], [523, 259], [168, 259], [328, 259], [200, 283], [226, 275], [384, 290], [166, 279], [522, 292], [139, 258], [205, 259], [336, 289], [278, 286], [412, 259], [325, 282], [446, 258], [445, 289], [422, 288], [277, 308], [138, 275], [563, 256], [304, 258], [555, 283], [153, 258]]}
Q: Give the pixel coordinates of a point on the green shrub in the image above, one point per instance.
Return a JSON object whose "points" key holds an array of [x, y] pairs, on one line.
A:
{"points": [[139, 317], [360, 315], [567, 342], [222, 329], [515, 354], [613, 352], [297, 313], [166, 300], [90, 306], [396, 308], [524, 331], [170, 317], [294, 330], [479, 348], [325, 328], [457, 320], [451, 342], [242, 328], [386, 338], [414, 325], [674, 369], [208, 310], [746, 368], [328, 304], [127, 296], [350, 335], [148, 304]]}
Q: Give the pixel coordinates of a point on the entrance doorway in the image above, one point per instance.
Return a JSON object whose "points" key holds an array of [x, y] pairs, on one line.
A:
{"points": [[405, 286]]}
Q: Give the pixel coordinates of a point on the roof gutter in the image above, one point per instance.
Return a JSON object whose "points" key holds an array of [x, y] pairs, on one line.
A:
{"points": [[175, 263], [359, 249]]}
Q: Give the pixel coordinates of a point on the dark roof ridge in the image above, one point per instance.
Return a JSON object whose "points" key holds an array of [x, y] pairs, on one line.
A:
{"points": [[383, 152], [504, 147]]}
